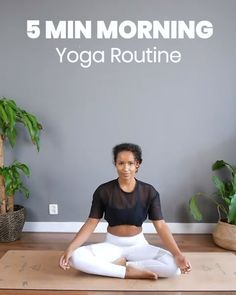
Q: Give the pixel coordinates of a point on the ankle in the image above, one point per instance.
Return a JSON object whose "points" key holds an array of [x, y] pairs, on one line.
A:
{"points": [[135, 273]]}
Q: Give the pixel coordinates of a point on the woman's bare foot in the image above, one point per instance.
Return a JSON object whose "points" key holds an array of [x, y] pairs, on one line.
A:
{"points": [[120, 261], [136, 273]]}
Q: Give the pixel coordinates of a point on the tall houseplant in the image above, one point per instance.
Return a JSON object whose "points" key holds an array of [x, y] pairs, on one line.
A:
{"points": [[224, 199], [10, 176]]}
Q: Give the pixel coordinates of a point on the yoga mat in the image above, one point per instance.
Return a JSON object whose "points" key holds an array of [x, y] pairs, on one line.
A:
{"points": [[23, 269]]}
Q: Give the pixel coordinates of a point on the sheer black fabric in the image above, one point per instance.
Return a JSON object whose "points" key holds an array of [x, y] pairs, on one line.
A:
{"points": [[119, 207]]}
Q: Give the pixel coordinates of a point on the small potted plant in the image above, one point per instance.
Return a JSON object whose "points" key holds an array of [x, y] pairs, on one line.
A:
{"points": [[224, 199], [12, 217]]}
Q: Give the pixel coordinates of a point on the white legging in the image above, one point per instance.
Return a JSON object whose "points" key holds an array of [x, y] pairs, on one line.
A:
{"points": [[98, 258]]}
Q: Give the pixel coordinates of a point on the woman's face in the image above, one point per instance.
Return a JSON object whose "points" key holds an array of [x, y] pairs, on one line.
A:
{"points": [[126, 165]]}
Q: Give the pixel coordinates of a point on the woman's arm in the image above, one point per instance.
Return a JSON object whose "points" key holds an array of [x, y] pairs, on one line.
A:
{"points": [[81, 237], [171, 245]]}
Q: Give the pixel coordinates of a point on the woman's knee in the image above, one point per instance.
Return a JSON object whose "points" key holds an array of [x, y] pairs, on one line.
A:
{"points": [[170, 267], [79, 257], [172, 271]]}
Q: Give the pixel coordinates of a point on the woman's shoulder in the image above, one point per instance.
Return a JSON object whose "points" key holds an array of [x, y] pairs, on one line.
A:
{"points": [[107, 185], [147, 186]]}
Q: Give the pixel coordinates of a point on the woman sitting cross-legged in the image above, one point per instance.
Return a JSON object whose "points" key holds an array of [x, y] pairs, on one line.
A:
{"points": [[125, 203]]}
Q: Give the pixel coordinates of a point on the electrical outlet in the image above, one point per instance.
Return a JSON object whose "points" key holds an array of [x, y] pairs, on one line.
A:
{"points": [[53, 209]]}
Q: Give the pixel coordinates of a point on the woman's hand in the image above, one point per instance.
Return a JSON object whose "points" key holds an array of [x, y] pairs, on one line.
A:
{"points": [[64, 260], [81, 237], [183, 263], [170, 244]]}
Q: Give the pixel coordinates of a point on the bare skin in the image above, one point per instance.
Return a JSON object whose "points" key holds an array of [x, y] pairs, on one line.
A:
{"points": [[120, 261], [135, 273], [127, 166], [124, 230]]}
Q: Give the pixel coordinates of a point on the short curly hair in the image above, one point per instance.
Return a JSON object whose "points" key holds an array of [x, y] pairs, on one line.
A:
{"points": [[130, 147]]}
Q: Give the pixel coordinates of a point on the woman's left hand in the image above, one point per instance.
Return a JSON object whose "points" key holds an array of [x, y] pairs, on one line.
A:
{"points": [[183, 263]]}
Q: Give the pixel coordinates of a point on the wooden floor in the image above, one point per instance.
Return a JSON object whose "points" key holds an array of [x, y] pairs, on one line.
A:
{"points": [[59, 241]]}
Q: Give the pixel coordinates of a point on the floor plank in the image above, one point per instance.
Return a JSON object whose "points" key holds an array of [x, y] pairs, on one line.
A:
{"points": [[59, 241]]}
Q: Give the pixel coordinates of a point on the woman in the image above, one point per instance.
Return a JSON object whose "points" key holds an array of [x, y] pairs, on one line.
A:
{"points": [[125, 203]]}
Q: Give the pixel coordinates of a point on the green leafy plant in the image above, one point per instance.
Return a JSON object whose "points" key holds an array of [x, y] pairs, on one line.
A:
{"points": [[224, 198], [10, 176]]}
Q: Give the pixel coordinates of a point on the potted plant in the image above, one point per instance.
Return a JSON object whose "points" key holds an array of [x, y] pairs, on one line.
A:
{"points": [[12, 217], [224, 199]]}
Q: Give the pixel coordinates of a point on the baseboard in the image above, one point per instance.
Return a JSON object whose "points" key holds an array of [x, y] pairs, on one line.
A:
{"points": [[67, 227]]}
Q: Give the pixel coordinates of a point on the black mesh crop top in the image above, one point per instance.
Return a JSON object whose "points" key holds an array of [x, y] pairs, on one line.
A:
{"points": [[119, 207]]}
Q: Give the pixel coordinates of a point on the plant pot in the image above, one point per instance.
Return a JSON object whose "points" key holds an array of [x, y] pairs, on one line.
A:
{"points": [[11, 224], [224, 235]]}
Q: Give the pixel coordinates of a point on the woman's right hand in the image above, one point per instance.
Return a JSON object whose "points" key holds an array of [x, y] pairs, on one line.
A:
{"points": [[81, 237], [64, 260]]}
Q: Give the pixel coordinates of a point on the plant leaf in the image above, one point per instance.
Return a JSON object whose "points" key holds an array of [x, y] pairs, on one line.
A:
{"points": [[11, 135], [219, 185], [227, 201], [25, 191], [1, 125], [12, 178], [32, 129], [232, 211], [23, 167], [11, 114], [12, 104], [234, 183], [194, 209], [7, 177], [220, 164], [3, 116], [37, 127], [28, 124]]}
